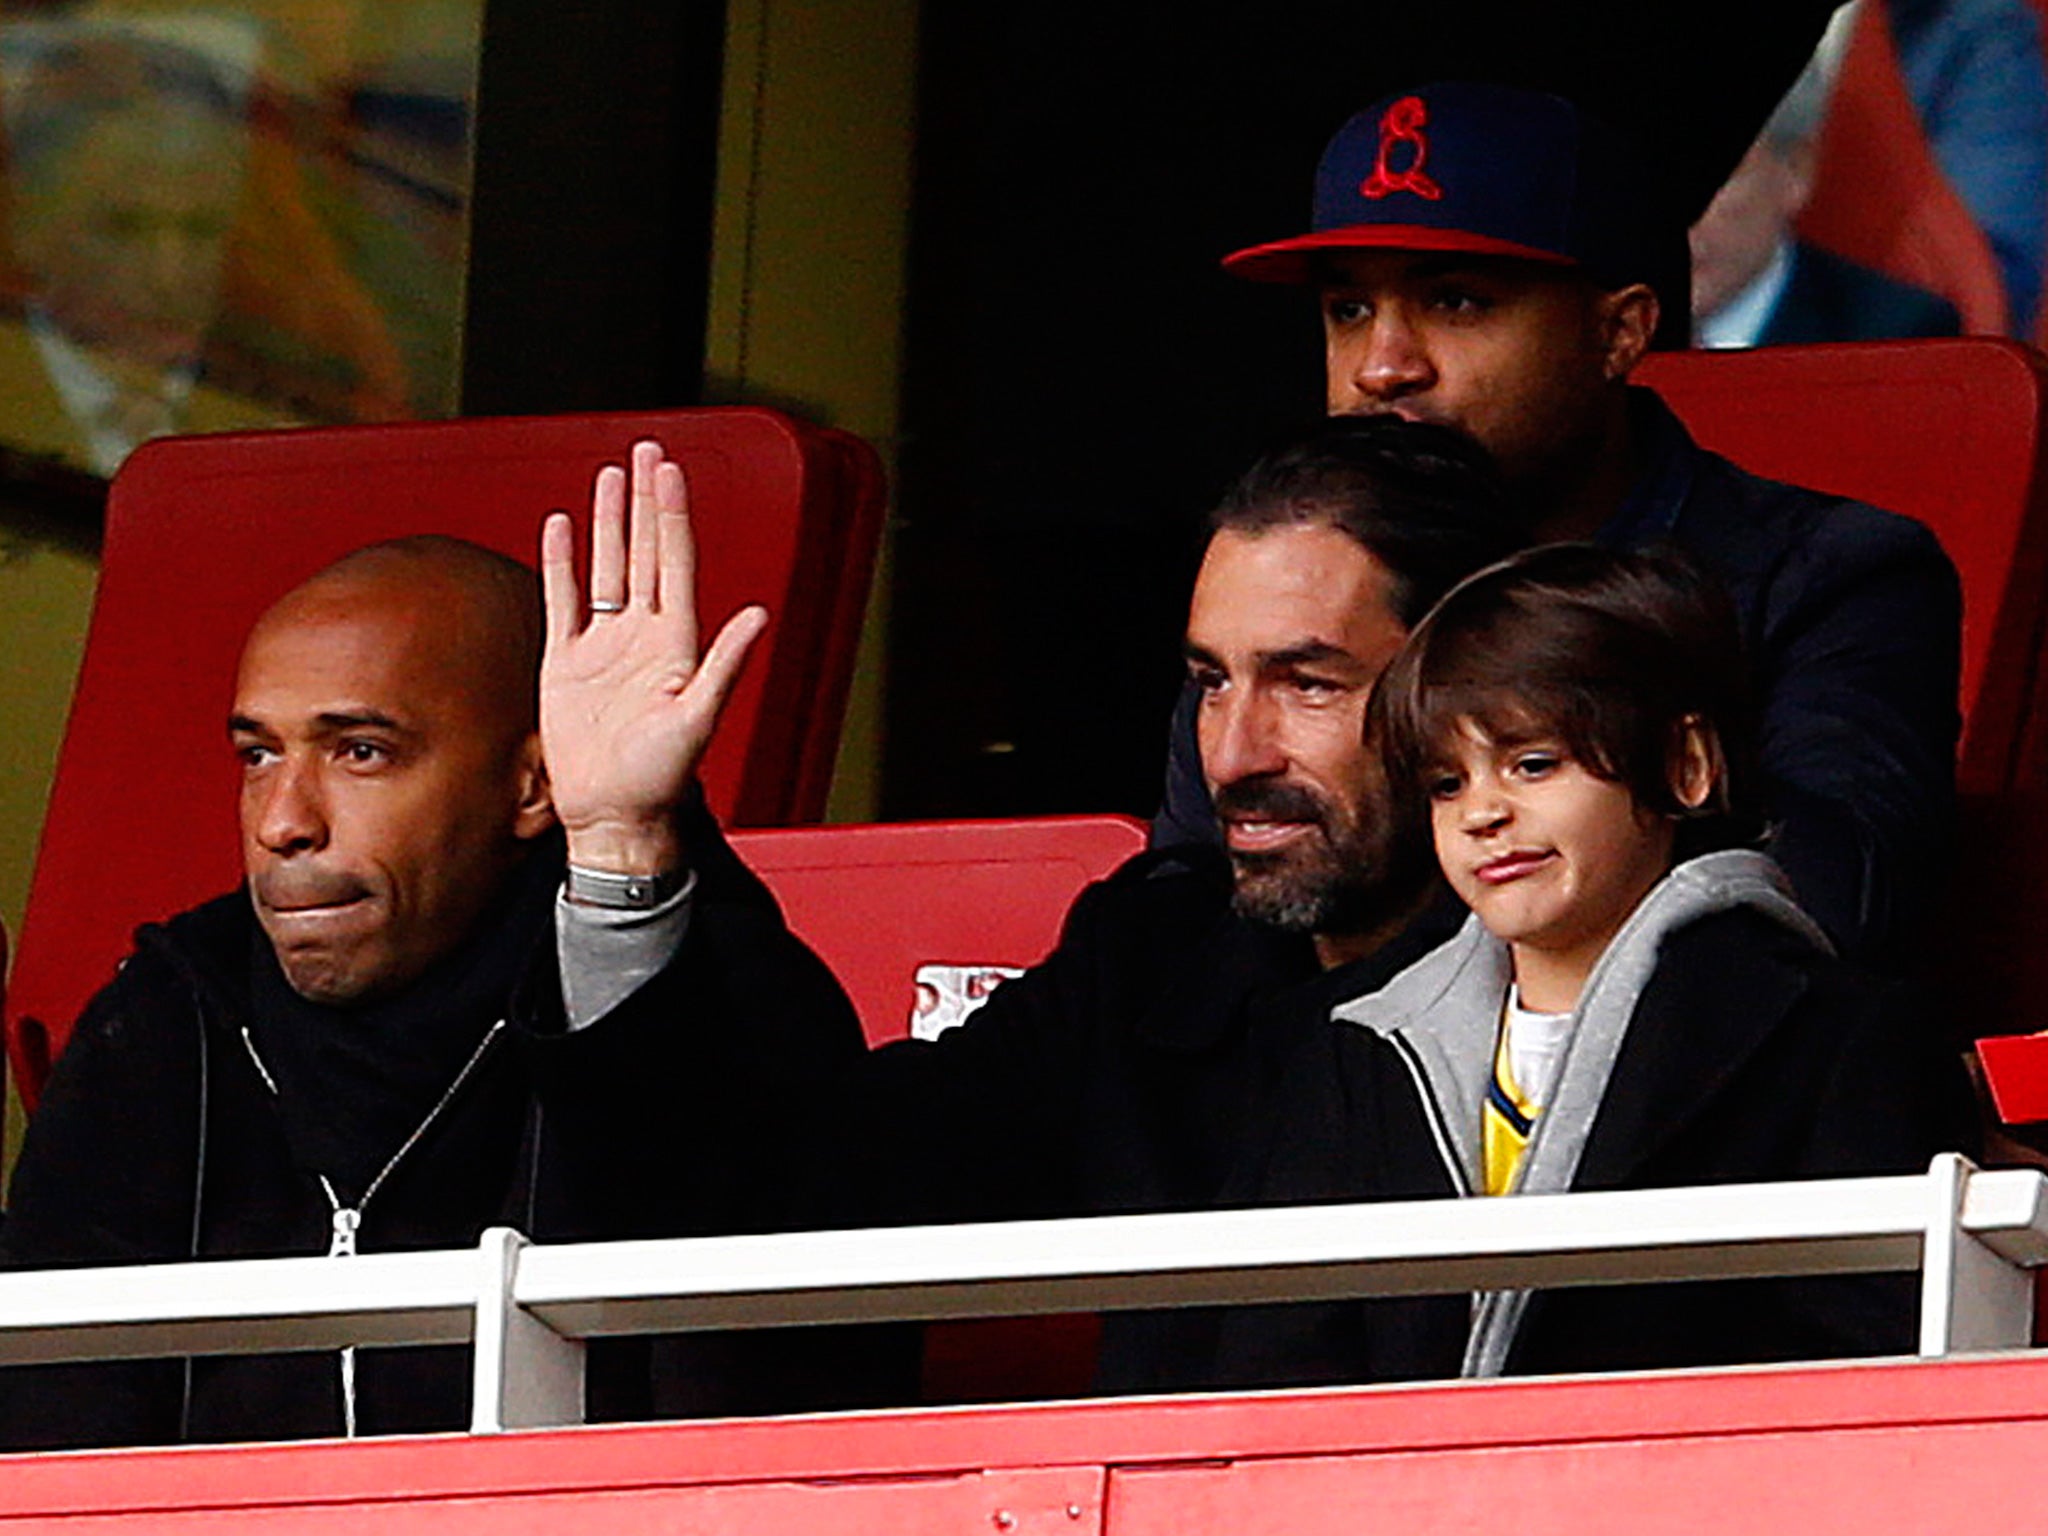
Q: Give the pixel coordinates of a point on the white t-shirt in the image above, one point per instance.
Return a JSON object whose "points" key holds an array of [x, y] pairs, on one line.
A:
{"points": [[1536, 1043]]}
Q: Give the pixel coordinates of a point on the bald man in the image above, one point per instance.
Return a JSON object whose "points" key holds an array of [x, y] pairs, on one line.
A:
{"points": [[419, 1017]]}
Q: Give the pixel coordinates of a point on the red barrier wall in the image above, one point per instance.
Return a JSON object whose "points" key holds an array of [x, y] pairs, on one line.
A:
{"points": [[1899, 1448]]}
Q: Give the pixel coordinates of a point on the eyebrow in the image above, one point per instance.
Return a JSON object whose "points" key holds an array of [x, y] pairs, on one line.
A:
{"points": [[1305, 653], [1516, 740], [328, 721], [356, 719]]}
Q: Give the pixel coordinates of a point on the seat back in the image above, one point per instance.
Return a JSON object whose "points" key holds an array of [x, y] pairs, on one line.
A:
{"points": [[1949, 432], [204, 533], [1879, 196], [877, 903]]}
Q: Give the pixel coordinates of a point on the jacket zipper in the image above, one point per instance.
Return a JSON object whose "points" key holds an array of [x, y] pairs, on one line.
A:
{"points": [[1432, 1111], [348, 1219]]}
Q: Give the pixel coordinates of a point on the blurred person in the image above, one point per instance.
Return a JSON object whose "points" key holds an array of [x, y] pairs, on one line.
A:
{"points": [[1755, 283], [122, 231], [1979, 81], [127, 156]]}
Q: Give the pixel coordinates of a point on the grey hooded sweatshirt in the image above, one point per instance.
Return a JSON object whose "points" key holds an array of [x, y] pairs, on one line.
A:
{"points": [[1442, 1016]]}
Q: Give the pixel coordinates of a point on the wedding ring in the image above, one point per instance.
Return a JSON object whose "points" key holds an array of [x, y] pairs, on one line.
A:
{"points": [[598, 605]]}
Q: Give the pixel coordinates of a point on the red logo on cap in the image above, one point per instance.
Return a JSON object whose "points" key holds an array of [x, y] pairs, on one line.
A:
{"points": [[1403, 124]]}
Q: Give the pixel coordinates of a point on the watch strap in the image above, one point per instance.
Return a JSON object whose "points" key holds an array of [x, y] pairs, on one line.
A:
{"points": [[622, 893]]}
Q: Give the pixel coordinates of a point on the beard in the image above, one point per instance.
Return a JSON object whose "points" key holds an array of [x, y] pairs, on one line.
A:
{"points": [[1332, 881]]}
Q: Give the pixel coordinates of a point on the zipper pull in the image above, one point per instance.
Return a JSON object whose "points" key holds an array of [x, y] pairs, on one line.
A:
{"points": [[344, 1244]]}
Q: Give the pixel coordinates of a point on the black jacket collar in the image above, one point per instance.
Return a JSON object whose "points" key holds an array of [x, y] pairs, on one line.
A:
{"points": [[1252, 968], [1719, 993]]}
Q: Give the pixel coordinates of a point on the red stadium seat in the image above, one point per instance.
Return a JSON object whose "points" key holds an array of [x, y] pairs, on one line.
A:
{"points": [[204, 533], [1880, 198], [1949, 432], [878, 902]]}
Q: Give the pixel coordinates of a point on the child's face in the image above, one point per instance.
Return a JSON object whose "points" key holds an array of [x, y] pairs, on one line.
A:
{"points": [[1551, 857]]}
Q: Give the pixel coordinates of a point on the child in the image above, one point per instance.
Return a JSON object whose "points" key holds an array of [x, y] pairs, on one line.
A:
{"points": [[1637, 1000]]}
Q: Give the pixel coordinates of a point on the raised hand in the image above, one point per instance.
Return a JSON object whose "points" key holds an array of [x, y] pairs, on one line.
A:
{"points": [[627, 705]]}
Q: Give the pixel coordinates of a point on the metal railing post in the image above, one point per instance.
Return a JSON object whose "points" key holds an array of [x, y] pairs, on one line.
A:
{"points": [[1970, 1297], [524, 1374]]}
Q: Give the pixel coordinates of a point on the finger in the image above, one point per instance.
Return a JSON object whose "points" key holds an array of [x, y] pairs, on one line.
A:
{"points": [[643, 571], [678, 559], [608, 538], [564, 603], [714, 680]]}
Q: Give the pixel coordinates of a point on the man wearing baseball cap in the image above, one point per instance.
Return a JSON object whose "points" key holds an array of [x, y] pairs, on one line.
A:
{"points": [[1498, 261]]}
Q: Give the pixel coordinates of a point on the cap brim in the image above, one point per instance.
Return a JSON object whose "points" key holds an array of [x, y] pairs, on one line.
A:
{"points": [[1294, 261]]}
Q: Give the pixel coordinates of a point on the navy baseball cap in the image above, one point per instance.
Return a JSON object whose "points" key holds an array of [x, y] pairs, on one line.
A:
{"points": [[1489, 169]]}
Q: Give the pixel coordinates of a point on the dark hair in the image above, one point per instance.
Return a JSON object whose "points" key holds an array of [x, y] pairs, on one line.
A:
{"points": [[1423, 499], [1614, 653]]}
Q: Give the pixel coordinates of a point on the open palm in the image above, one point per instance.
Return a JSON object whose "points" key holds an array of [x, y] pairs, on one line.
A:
{"points": [[627, 704]]}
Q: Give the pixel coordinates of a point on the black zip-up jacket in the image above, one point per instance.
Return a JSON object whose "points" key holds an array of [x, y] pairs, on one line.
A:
{"points": [[158, 1140]]}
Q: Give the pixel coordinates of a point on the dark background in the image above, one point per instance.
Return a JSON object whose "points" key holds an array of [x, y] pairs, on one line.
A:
{"points": [[590, 223]]}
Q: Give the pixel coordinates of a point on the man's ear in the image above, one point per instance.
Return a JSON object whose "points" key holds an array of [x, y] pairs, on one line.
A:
{"points": [[1697, 767], [1628, 319], [534, 809]]}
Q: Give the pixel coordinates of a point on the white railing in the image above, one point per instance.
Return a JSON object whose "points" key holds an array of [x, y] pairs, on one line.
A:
{"points": [[1974, 1236]]}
